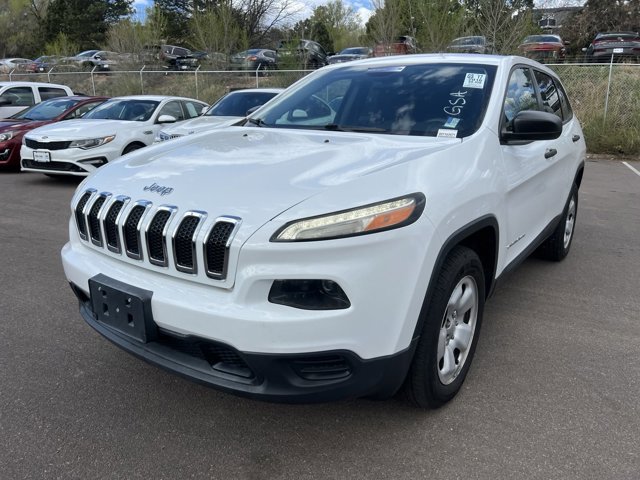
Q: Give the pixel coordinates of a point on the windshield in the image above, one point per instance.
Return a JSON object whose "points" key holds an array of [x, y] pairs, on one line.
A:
{"points": [[118, 109], [47, 110], [430, 100], [237, 104], [355, 51], [468, 41], [618, 38], [87, 53], [541, 38]]}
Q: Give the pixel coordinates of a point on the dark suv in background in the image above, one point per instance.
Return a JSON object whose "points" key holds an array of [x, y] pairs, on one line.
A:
{"points": [[305, 53]]}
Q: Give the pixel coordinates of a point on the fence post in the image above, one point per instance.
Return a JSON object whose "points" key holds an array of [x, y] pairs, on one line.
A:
{"points": [[49, 73], [141, 82], [257, 76], [93, 83], [10, 73], [197, 94], [606, 100]]}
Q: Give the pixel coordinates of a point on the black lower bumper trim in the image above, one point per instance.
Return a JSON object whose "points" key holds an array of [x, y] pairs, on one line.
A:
{"points": [[288, 378]]}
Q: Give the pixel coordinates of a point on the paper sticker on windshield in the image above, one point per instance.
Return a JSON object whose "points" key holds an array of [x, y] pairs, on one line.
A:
{"points": [[452, 122], [385, 69], [474, 80], [446, 133]]}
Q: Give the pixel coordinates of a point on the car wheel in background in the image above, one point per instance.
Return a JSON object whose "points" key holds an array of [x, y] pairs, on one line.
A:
{"points": [[557, 246]]}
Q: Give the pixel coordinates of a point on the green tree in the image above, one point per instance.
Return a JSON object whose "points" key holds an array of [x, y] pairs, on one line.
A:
{"points": [[84, 22], [20, 33]]}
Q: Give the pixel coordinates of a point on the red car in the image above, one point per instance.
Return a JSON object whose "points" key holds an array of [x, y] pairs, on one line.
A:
{"points": [[544, 48], [13, 129]]}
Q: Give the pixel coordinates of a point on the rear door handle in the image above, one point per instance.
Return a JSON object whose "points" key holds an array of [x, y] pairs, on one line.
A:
{"points": [[575, 138], [551, 152]]}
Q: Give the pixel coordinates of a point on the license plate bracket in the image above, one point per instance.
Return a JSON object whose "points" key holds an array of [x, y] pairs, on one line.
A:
{"points": [[123, 307], [40, 156]]}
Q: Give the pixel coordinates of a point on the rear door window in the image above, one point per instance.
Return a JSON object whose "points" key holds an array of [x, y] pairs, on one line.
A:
{"points": [[49, 92], [549, 94]]}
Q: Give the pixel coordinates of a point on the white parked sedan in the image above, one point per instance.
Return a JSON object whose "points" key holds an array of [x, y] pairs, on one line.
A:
{"points": [[115, 128], [227, 110], [344, 240]]}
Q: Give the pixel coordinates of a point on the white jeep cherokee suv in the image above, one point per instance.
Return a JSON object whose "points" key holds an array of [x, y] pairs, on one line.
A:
{"points": [[343, 242]]}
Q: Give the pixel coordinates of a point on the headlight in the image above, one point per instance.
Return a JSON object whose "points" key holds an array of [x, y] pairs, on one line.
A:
{"points": [[91, 142], [376, 217], [6, 136]]}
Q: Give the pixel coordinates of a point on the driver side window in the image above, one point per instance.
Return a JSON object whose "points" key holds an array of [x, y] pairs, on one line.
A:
{"points": [[521, 94], [174, 109]]}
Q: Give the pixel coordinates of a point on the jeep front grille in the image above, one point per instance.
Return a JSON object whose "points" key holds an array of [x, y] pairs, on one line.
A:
{"points": [[171, 238]]}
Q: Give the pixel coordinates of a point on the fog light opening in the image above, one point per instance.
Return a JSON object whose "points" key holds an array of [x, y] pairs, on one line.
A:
{"points": [[309, 294]]}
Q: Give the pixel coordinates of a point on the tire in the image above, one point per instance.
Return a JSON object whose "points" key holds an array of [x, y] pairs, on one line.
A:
{"points": [[557, 246], [131, 147], [450, 329]]}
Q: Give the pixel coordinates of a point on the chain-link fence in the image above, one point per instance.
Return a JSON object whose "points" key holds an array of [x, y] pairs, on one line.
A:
{"points": [[605, 97]]}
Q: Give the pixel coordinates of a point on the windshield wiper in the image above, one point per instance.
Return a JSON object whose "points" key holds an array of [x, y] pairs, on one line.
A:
{"points": [[258, 122], [353, 128]]}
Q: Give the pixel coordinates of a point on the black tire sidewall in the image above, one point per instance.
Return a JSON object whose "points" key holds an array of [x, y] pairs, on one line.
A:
{"points": [[427, 388]]}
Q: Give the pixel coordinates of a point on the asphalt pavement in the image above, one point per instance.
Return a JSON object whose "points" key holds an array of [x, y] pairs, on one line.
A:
{"points": [[554, 390]]}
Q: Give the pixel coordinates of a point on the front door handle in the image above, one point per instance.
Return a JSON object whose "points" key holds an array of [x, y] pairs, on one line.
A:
{"points": [[551, 152], [575, 138]]}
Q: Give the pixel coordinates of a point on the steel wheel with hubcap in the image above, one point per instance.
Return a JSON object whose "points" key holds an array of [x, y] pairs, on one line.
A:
{"points": [[457, 329]]}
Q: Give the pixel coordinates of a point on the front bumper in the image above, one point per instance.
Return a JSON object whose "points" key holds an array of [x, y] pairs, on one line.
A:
{"points": [[292, 378], [70, 161]]}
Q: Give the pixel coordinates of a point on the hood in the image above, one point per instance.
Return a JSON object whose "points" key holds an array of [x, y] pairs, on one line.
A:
{"points": [[200, 124], [79, 129], [255, 173], [7, 123]]}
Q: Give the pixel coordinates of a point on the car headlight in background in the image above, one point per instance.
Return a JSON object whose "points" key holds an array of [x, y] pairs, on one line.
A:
{"points": [[91, 142], [376, 217], [7, 136]]}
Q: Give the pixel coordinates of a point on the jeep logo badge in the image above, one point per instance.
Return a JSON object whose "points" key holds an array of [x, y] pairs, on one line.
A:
{"points": [[154, 187]]}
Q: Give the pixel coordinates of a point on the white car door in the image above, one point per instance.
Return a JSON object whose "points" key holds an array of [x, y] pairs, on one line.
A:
{"points": [[15, 99], [531, 189]]}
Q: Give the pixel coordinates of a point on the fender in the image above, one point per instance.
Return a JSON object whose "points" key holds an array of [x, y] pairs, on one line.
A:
{"points": [[457, 238]]}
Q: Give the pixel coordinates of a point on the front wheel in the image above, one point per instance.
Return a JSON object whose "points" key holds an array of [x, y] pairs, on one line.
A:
{"points": [[450, 329]]}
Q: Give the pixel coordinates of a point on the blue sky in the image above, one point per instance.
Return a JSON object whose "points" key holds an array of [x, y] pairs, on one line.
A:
{"points": [[363, 7]]}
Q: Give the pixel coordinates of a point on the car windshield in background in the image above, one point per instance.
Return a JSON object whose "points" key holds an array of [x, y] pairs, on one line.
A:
{"points": [[47, 110], [237, 104], [541, 38], [131, 110], [439, 100], [355, 51], [628, 37], [468, 41]]}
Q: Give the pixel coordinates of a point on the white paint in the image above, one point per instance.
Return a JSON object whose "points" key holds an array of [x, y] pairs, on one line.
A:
{"points": [[632, 169]]}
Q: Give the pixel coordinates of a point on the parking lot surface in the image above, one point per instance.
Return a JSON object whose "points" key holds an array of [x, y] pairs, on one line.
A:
{"points": [[553, 392]]}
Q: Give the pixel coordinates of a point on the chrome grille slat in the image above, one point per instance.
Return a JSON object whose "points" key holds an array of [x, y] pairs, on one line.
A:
{"points": [[216, 247], [111, 224], [131, 229], [156, 235], [184, 242], [93, 219], [81, 221]]}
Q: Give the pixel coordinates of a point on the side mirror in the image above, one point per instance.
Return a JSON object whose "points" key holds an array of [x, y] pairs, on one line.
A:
{"points": [[253, 109], [531, 125], [4, 101], [166, 119], [299, 114], [204, 110]]}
